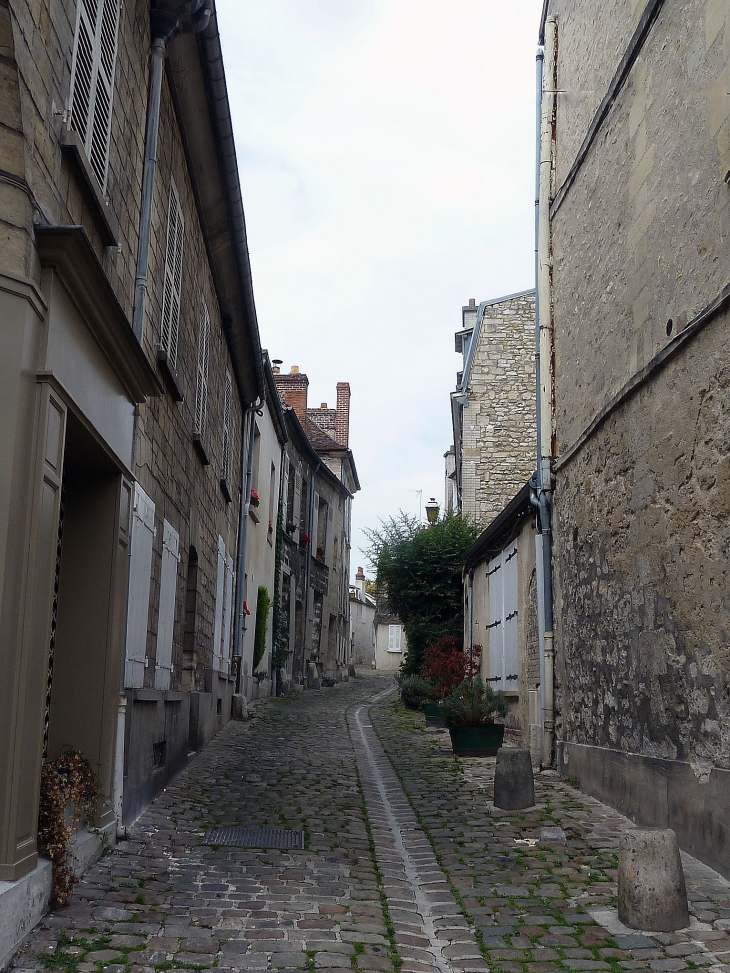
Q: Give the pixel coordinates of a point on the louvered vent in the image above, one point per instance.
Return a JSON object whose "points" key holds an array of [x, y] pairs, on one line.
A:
{"points": [[173, 278], [201, 386], [92, 80], [227, 396]]}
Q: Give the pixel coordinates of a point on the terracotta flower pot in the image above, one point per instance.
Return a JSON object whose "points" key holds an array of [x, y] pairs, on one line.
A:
{"points": [[477, 741]]}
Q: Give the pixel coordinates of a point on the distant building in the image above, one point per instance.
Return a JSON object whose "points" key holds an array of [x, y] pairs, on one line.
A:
{"points": [[319, 482], [493, 406], [362, 618]]}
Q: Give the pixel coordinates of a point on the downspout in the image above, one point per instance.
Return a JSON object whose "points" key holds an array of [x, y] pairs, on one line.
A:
{"points": [[470, 609], [164, 27], [541, 492], [310, 524], [247, 441]]}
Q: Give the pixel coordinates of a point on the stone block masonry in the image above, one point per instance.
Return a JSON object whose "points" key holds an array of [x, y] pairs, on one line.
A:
{"points": [[498, 450]]}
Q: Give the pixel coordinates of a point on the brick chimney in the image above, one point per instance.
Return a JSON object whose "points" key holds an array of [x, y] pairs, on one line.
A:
{"points": [[342, 417], [293, 390], [360, 580]]}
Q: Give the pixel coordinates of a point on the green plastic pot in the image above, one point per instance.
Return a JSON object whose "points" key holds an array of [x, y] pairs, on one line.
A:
{"points": [[434, 716], [477, 741]]}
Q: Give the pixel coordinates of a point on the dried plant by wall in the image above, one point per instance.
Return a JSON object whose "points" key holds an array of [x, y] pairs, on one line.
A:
{"points": [[70, 782]]}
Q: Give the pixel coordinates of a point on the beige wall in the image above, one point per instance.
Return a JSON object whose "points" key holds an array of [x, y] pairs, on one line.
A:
{"points": [[386, 661]]}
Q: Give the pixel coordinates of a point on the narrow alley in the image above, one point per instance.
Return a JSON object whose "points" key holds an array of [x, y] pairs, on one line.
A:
{"points": [[406, 863]]}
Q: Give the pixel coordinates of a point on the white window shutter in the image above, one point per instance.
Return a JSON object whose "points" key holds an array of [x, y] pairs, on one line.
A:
{"points": [[166, 614], [201, 385], [495, 576], [218, 616], [138, 599], [511, 660], [227, 614], [92, 79], [394, 633], [172, 285], [227, 404]]}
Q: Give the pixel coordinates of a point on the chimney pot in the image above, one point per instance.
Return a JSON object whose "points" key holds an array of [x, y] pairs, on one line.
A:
{"points": [[323, 405], [472, 302], [294, 370]]}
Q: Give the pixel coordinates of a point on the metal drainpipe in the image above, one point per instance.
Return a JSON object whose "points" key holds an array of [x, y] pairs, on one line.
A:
{"points": [[541, 495], [470, 608], [309, 556], [248, 426]]}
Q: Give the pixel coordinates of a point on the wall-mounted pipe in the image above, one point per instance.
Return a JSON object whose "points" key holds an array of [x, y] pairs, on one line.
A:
{"points": [[541, 494]]}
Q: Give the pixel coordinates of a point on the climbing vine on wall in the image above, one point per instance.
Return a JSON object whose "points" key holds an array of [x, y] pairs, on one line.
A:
{"points": [[69, 781]]}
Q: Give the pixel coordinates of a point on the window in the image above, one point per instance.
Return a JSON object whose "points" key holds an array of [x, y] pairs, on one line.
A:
{"points": [[227, 397], [201, 385], [92, 80], [138, 599], [394, 632], [173, 278]]}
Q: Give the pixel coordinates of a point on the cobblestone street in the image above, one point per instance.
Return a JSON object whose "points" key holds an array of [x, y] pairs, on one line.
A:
{"points": [[433, 879]]}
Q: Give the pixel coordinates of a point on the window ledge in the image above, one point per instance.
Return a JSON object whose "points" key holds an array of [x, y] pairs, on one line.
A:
{"points": [[200, 448], [72, 147], [253, 515], [169, 374], [225, 489]]}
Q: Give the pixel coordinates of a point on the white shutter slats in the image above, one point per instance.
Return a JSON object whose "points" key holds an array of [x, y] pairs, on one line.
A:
{"points": [[225, 652], [172, 284], [201, 387], [227, 404], [138, 600], [92, 80], [503, 631], [166, 613], [496, 628], [218, 616]]}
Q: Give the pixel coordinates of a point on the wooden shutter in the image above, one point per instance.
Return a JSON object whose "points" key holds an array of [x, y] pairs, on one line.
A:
{"points": [[225, 652], [227, 403], [172, 285], [166, 614], [92, 79], [503, 598], [201, 385], [394, 638], [219, 598], [138, 599]]}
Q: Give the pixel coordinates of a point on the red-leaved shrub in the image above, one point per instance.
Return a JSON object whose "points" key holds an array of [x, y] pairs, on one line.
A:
{"points": [[446, 665]]}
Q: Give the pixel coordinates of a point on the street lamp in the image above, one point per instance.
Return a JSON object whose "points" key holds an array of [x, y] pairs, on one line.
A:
{"points": [[432, 511]]}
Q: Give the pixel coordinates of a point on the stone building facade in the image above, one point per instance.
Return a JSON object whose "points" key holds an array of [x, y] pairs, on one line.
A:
{"points": [[639, 204], [126, 390], [493, 407], [319, 482], [362, 618]]}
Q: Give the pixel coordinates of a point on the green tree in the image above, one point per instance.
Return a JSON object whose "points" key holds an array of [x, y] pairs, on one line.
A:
{"points": [[419, 576]]}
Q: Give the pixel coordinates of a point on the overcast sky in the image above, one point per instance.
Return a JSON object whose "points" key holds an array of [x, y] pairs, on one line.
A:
{"points": [[386, 150]]}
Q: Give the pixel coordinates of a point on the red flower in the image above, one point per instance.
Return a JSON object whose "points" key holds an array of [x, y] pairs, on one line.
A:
{"points": [[304, 537], [245, 609]]}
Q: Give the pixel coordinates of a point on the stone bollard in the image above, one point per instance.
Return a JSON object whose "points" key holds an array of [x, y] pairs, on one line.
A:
{"points": [[514, 787], [239, 708], [651, 890]]}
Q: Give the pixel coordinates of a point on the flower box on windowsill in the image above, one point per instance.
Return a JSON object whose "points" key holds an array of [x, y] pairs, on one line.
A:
{"points": [[201, 448], [169, 374], [254, 515]]}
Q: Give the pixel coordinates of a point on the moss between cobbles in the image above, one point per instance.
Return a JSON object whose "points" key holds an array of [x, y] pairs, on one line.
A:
{"points": [[600, 868], [388, 922]]}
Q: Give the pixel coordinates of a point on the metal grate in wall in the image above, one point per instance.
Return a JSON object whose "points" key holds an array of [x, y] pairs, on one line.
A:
{"points": [[254, 838]]}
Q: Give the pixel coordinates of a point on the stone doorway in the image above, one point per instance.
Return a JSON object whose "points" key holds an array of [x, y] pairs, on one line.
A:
{"points": [[91, 582]]}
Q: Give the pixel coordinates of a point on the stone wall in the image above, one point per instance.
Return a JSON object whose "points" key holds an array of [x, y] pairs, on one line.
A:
{"points": [[498, 450], [642, 413]]}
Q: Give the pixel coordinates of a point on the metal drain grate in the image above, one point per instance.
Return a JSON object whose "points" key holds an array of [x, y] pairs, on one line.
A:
{"points": [[254, 838]]}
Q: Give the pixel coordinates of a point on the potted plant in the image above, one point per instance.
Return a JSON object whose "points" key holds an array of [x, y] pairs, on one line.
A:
{"points": [[469, 711], [254, 499], [414, 690]]}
